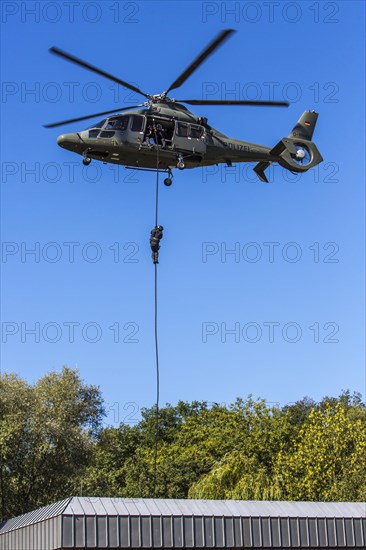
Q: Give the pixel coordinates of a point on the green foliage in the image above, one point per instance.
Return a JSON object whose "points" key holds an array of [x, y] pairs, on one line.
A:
{"points": [[47, 434], [307, 451], [328, 460], [243, 451], [245, 471], [52, 445]]}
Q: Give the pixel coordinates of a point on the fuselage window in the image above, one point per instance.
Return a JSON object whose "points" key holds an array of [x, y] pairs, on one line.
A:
{"points": [[137, 123], [196, 132], [94, 133], [121, 123], [106, 134], [182, 129]]}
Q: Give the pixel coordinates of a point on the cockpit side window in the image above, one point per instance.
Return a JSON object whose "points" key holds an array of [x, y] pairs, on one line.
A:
{"points": [[196, 131], [121, 123], [137, 123], [182, 129], [110, 124]]}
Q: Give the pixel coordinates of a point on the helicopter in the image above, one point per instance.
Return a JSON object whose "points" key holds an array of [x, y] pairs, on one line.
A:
{"points": [[162, 134]]}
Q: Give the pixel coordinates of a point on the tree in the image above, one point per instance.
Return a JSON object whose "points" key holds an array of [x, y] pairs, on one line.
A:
{"points": [[47, 432], [307, 451], [123, 463], [108, 470], [328, 460], [245, 471]]}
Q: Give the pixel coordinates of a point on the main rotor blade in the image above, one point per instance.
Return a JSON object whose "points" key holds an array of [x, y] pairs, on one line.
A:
{"points": [[90, 67], [233, 102], [200, 59], [55, 124]]}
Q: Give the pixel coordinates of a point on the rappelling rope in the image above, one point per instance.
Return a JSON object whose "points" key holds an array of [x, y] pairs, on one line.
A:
{"points": [[156, 320]]}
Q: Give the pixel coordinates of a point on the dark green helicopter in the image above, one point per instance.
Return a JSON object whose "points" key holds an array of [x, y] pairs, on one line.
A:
{"points": [[163, 134]]}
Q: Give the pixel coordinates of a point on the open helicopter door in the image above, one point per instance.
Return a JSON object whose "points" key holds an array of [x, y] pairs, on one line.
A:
{"points": [[189, 138]]}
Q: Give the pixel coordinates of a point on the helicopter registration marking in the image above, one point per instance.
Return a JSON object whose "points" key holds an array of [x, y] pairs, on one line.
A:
{"points": [[239, 147]]}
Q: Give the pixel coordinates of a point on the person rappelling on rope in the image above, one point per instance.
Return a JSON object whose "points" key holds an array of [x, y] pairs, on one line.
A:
{"points": [[155, 237]]}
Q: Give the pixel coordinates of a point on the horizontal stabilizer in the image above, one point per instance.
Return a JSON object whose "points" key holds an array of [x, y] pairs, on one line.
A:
{"points": [[278, 149], [259, 170], [281, 146]]}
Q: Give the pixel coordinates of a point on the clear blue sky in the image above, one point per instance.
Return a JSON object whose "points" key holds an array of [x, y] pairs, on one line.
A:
{"points": [[311, 53]]}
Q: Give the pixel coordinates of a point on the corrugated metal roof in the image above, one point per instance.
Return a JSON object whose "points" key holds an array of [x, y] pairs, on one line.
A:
{"points": [[187, 507], [83, 522], [41, 514]]}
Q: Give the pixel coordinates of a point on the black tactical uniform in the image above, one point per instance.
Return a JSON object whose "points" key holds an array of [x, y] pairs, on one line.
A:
{"points": [[160, 132], [155, 237], [149, 134]]}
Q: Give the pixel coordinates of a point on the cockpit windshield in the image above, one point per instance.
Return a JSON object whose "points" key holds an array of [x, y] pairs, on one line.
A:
{"points": [[97, 125]]}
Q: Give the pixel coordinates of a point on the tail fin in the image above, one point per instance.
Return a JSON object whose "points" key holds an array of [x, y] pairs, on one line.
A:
{"points": [[297, 152], [305, 126]]}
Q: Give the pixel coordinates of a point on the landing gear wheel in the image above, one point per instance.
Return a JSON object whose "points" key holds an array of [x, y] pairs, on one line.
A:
{"points": [[168, 182], [180, 163], [87, 161]]}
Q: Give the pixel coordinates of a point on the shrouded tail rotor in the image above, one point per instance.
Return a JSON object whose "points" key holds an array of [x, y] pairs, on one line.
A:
{"points": [[302, 155]]}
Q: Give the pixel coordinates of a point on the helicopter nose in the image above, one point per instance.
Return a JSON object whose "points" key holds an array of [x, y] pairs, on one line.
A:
{"points": [[68, 141]]}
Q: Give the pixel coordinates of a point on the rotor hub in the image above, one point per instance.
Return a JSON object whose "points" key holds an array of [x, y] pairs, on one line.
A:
{"points": [[300, 154]]}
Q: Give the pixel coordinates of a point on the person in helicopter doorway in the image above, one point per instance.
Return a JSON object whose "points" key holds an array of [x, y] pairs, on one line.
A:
{"points": [[156, 235], [150, 133], [160, 132]]}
